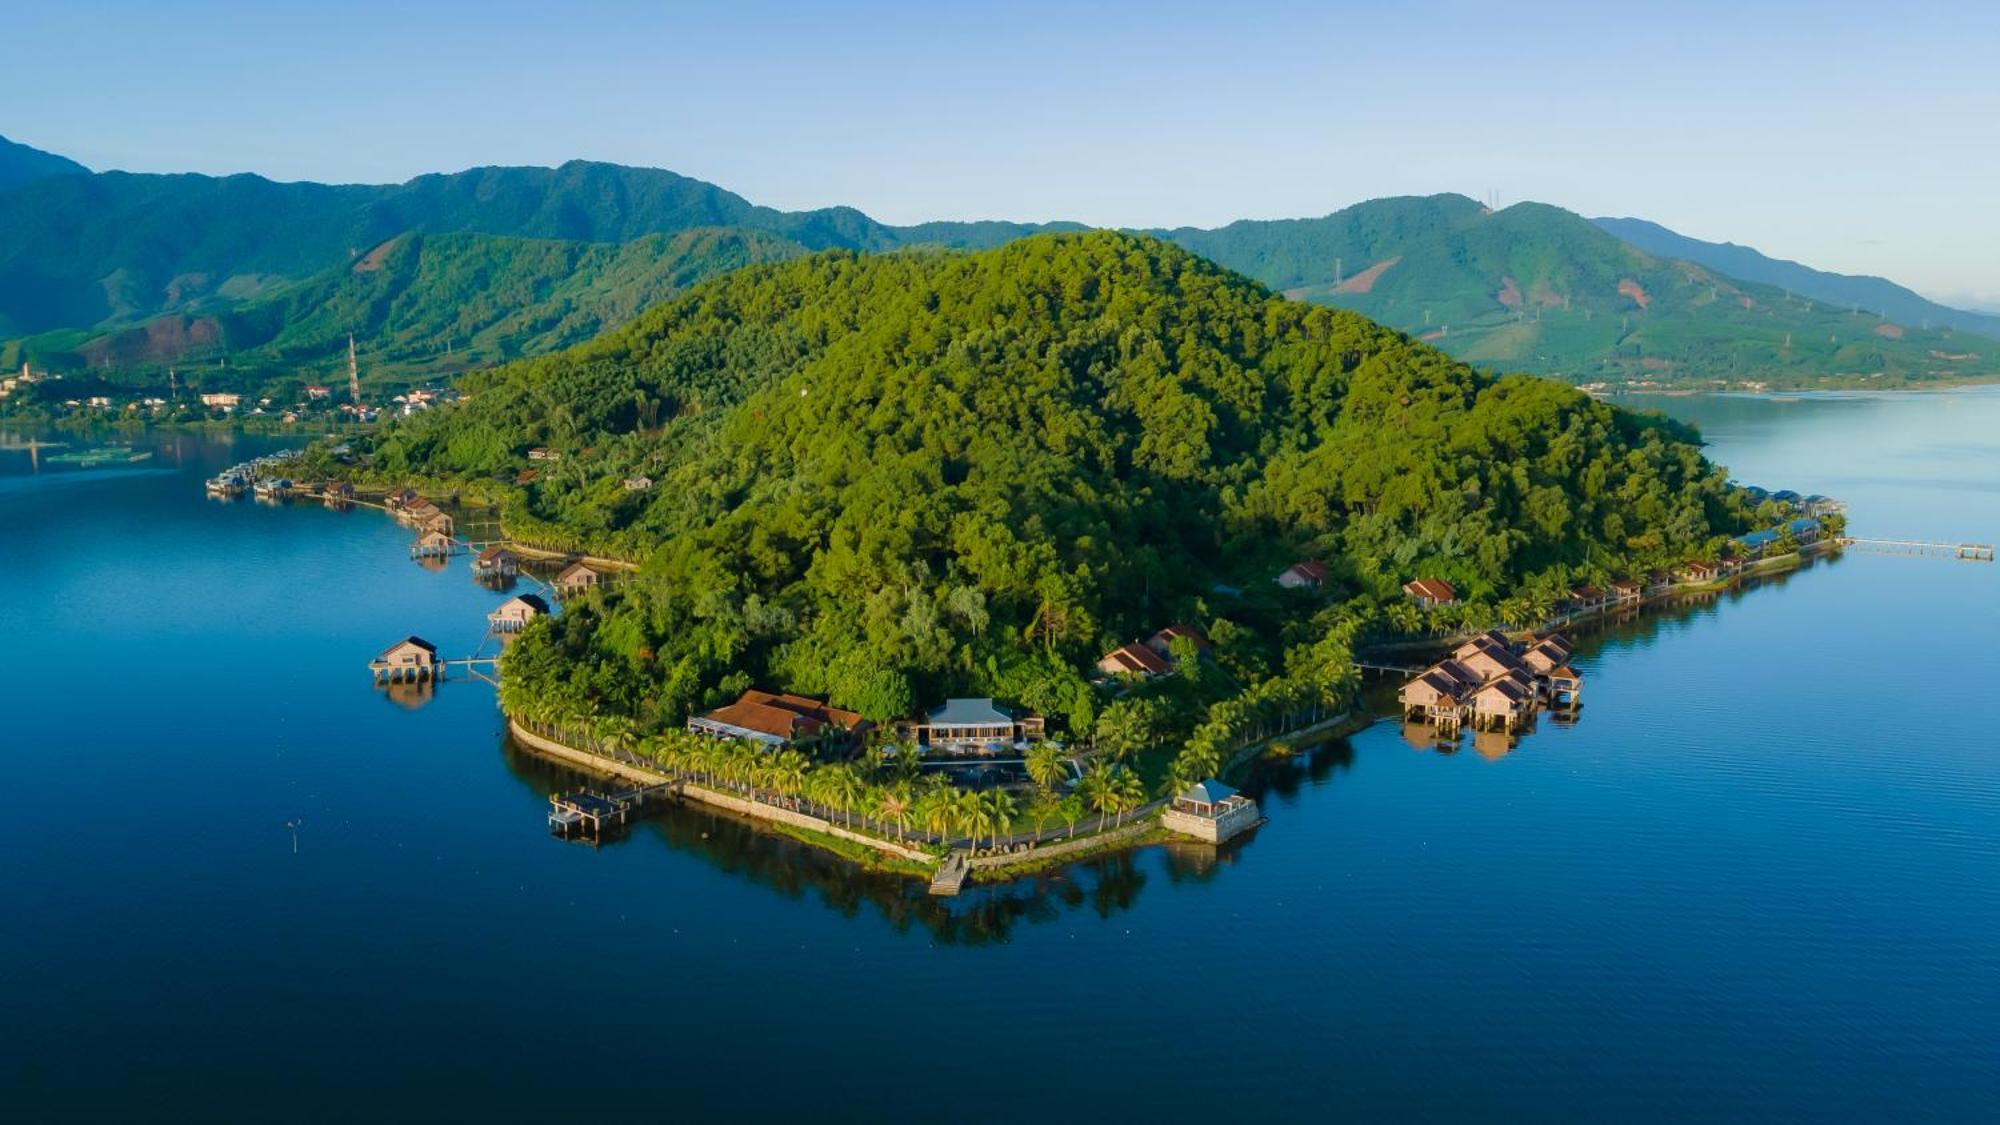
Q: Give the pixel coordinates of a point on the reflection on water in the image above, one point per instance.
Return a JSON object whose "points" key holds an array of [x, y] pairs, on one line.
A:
{"points": [[985, 913]]}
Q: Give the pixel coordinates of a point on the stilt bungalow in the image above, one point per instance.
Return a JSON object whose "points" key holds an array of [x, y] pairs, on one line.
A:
{"points": [[1565, 687], [1586, 599], [434, 545], [1503, 703], [1658, 582], [1210, 811], [515, 613], [438, 521], [409, 660], [575, 579], [496, 562], [1627, 590], [776, 720], [1700, 571]]}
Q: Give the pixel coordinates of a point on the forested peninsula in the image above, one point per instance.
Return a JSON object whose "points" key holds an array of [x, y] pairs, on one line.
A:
{"points": [[892, 479]]}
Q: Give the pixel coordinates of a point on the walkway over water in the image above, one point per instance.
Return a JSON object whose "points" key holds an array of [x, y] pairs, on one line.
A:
{"points": [[1966, 552]]}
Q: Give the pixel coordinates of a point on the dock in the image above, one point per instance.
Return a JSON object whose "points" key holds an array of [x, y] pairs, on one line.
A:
{"points": [[587, 815], [950, 877], [1963, 552]]}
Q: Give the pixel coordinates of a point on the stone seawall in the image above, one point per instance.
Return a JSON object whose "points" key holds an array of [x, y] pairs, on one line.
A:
{"points": [[739, 805]]}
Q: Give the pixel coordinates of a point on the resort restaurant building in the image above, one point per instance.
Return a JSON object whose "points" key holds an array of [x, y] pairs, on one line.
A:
{"points": [[978, 726]]}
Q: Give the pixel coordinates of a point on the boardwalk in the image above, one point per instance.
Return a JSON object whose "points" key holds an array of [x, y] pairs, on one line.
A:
{"points": [[1965, 552]]}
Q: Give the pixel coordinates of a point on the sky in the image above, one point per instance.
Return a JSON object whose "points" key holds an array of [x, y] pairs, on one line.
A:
{"points": [[1858, 138]]}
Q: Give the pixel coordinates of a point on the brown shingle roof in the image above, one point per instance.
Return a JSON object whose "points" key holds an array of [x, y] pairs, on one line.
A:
{"points": [[1437, 589], [1134, 660]]}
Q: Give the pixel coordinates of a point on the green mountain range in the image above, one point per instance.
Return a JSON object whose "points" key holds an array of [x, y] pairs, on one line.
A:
{"points": [[420, 306], [1536, 288], [124, 274], [891, 477], [20, 164], [1866, 294]]}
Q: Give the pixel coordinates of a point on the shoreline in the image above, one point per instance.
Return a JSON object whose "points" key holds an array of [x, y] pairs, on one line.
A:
{"points": [[874, 853]]}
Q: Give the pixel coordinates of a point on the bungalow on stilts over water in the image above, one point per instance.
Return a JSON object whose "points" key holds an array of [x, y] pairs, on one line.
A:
{"points": [[495, 563], [1490, 683], [575, 579], [515, 613], [410, 660]]}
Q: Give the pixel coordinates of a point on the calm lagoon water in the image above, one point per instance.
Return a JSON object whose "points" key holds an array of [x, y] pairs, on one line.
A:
{"points": [[1760, 878]]}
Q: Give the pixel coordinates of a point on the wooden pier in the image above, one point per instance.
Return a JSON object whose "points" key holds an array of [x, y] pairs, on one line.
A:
{"points": [[1964, 552], [950, 877], [587, 815]]}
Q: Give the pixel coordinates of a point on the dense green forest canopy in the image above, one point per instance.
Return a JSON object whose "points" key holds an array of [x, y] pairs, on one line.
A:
{"points": [[887, 478]]}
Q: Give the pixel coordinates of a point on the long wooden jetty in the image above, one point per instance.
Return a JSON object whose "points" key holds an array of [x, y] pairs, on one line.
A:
{"points": [[1964, 552]]}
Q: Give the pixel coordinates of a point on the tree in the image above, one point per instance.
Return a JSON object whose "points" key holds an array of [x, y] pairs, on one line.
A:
{"points": [[1047, 766], [1001, 808]]}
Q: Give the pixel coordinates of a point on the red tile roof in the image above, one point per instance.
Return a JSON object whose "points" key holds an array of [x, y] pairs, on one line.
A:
{"points": [[1436, 589], [1134, 660]]}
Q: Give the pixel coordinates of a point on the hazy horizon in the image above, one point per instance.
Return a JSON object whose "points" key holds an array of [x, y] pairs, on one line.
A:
{"points": [[1829, 138]]}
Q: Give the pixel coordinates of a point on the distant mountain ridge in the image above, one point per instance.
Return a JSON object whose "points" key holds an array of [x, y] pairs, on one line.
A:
{"points": [[420, 306], [84, 258], [1540, 289], [83, 250], [20, 164], [1870, 294]]}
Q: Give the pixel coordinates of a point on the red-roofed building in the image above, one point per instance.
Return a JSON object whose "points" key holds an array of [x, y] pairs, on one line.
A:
{"points": [[1306, 575], [1430, 592], [780, 720]]}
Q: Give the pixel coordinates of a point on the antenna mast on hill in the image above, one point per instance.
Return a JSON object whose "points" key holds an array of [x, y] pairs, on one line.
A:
{"points": [[353, 373]]}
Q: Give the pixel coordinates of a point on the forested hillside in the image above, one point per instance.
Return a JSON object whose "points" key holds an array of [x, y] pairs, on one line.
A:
{"points": [[889, 477], [1536, 288], [419, 306]]}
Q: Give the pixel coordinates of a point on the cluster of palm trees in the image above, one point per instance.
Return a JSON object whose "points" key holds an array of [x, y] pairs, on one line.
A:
{"points": [[889, 802]]}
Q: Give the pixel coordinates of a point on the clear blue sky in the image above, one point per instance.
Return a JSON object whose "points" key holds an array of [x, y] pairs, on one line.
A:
{"points": [[1864, 138]]}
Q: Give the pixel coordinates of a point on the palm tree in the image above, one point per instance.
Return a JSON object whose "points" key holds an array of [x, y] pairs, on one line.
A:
{"points": [[1000, 810], [972, 815], [1047, 766], [844, 789], [1096, 790], [892, 805], [1127, 793], [935, 811]]}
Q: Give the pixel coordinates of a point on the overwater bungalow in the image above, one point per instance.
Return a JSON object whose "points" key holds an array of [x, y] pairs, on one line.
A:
{"points": [[1210, 811], [575, 579], [1503, 703], [410, 659], [337, 493], [1627, 590], [438, 521], [401, 498], [774, 720], [1487, 658], [515, 613], [1565, 687], [434, 545], [496, 562]]}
